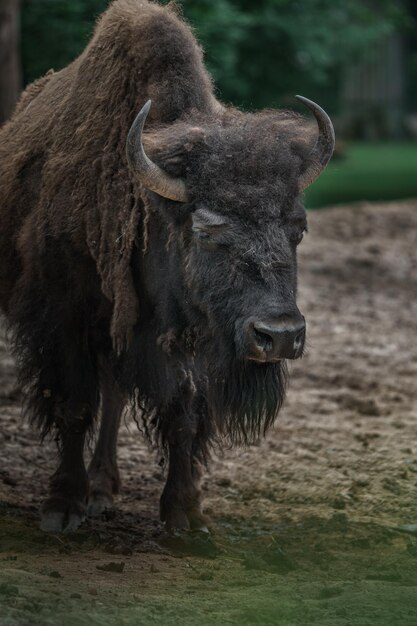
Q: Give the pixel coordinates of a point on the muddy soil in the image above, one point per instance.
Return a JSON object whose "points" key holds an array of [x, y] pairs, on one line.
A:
{"points": [[315, 525]]}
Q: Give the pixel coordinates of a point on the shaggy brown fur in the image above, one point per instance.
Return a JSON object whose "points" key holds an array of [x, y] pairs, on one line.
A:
{"points": [[65, 145]]}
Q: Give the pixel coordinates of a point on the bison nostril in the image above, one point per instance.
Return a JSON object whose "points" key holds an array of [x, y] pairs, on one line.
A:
{"points": [[299, 338], [263, 340], [299, 341]]}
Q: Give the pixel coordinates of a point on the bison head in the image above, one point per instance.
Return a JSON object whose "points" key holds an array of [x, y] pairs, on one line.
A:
{"points": [[228, 192]]}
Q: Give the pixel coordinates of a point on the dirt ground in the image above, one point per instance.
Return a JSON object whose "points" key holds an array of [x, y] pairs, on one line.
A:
{"points": [[316, 524]]}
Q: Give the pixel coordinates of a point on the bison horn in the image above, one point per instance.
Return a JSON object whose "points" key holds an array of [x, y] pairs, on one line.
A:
{"points": [[149, 174], [324, 147]]}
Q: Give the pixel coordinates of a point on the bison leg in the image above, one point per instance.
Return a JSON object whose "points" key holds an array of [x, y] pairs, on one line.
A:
{"points": [[180, 506], [103, 471], [195, 514], [65, 508]]}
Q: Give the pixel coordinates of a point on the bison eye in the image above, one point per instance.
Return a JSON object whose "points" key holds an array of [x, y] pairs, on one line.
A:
{"points": [[298, 237], [204, 239], [202, 235]]}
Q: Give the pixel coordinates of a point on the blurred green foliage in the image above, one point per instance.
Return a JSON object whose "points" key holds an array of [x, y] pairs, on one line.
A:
{"points": [[260, 53], [375, 171], [263, 52]]}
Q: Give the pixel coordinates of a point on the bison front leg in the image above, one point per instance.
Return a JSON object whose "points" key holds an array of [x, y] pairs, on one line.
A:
{"points": [[181, 502], [65, 508]]}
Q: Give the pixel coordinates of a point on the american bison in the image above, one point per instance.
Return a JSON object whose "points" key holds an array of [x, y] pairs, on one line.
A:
{"points": [[150, 267]]}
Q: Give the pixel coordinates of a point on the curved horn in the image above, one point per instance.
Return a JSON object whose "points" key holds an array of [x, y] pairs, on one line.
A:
{"points": [[149, 174], [324, 147]]}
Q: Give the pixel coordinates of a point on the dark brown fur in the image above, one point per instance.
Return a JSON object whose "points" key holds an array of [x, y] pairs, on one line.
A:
{"points": [[69, 132]]}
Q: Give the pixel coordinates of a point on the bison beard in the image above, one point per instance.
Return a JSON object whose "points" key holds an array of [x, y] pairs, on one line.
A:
{"points": [[244, 400]]}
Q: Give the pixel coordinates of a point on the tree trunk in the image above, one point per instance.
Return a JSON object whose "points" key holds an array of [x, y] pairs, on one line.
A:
{"points": [[10, 71]]}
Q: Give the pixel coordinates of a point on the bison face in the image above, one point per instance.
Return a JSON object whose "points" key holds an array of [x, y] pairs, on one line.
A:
{"points": [[227, 192], [243, 277], [239, 176]]}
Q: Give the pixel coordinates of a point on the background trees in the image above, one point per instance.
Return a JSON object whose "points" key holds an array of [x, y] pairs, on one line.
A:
{"points": [[10, 76], [262, 52]]}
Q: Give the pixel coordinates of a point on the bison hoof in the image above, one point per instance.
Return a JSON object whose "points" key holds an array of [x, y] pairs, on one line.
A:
{"points": [[60, 515], [176, 522], [179, 521], [198, 523], [104, 483], [98, 502]]}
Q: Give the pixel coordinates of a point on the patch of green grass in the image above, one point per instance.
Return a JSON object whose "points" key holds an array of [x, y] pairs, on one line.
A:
{"points": [[367, 171]]}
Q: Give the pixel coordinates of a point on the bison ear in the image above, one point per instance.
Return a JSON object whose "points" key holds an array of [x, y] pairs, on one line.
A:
{"points": [[172, 148], [171, 212]]}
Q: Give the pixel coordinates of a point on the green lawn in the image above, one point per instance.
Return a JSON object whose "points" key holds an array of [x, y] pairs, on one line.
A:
{"points": [[367, 171]]}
